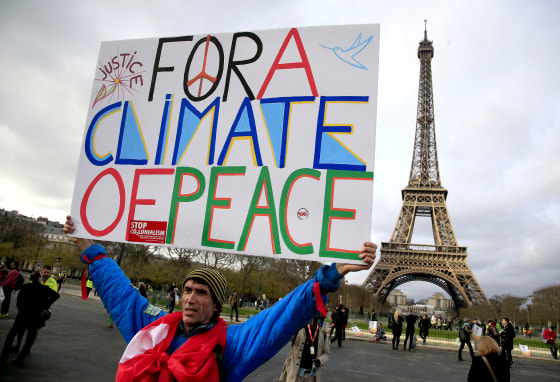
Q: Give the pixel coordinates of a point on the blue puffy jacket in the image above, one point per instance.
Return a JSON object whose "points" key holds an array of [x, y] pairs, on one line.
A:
{"points": [[248, 345]]}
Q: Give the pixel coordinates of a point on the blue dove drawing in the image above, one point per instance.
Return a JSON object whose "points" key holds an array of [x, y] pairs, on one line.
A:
{"points": [[349, 55]]}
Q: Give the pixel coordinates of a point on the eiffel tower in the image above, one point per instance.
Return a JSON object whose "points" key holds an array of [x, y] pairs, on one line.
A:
{"points": [[445, 263]]}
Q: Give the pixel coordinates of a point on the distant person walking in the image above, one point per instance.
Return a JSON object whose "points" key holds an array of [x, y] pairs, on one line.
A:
{"points": [[264, 302], [234, 303], [143, 290], [89, 285], [33, 303], [333, 321], [171, 294], [61, 279], [550, 336], [338, 325], [397, 328], [410, 322], [3, 272], [492, 331], [344, 322], [465, 337], [424, 328], [507, 334], [9, 284]]}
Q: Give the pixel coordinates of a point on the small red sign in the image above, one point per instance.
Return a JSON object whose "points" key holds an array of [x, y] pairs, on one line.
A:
{"points": [[141, 231]]}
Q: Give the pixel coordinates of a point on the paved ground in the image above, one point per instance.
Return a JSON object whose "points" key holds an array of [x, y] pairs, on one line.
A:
{"points": [[77, 345]]}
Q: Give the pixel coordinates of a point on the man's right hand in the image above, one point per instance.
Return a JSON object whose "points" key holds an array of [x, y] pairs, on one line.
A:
{"points": [[69, 228], [367, 255]]}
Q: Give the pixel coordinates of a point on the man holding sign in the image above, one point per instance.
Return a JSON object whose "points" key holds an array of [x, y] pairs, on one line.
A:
{"points": [[196, 342], [258, 143]]}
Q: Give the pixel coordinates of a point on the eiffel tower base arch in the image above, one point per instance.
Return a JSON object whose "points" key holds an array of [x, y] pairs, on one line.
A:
{"points": [[444, 266]]}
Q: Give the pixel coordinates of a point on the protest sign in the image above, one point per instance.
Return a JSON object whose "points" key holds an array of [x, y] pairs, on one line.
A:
{"points": [[524, 349], [372, 327], [477, 331], [258, 143], [357, 331]]}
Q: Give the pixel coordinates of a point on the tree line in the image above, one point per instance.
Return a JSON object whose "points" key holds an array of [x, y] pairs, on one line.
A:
{"points": [[23, 241]]}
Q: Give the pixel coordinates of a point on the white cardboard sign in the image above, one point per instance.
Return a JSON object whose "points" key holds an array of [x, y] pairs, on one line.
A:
{"points": [[260, 143]]}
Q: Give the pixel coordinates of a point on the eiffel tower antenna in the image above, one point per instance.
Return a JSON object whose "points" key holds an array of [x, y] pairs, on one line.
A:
{"points": [[444, 263]]}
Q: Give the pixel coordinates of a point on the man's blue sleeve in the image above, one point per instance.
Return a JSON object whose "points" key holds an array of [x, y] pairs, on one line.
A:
{"points": [[127, 307], [251, 344]]}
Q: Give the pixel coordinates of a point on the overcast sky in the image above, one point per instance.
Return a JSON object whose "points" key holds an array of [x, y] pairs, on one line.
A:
{"points": [[496, 82]]}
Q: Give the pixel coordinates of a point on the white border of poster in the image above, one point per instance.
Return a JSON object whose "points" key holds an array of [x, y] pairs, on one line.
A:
{"points": [[259, 143]]}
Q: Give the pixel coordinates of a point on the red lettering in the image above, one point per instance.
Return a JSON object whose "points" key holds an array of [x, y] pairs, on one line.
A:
{"points": [[83, 207], [291, 65], [143, 202]]}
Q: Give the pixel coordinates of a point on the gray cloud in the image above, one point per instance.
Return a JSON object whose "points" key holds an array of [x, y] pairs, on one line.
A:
{"points": [[496, 93]]}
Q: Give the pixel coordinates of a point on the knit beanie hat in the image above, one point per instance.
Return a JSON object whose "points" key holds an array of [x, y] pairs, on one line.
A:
{"points": [[216, 283]]}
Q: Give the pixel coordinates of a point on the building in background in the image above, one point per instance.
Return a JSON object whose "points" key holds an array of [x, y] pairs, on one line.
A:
{"points": [[437, 304]]}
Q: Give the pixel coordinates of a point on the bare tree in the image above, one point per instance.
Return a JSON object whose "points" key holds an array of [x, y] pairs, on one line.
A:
{"points": [[137, 260], [296, 272], [14, 230], [357, 298], [546, 305], [248, 265], [218, 260], [181, 260], [485, 312]]}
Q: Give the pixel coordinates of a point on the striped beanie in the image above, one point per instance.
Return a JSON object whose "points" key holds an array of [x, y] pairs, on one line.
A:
{"points": [[215, 280]]}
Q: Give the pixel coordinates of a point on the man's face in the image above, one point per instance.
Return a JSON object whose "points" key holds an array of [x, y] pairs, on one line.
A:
{"points": [[198, 304], [46, 274]]}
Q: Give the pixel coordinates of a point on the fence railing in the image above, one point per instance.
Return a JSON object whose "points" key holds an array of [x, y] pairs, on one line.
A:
{"points": [[540, 350]]}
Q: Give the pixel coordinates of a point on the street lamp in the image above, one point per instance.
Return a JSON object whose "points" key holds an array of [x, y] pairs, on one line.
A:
{"points": [[37, 263], [259, 289], [529, 303], [119, 258]]}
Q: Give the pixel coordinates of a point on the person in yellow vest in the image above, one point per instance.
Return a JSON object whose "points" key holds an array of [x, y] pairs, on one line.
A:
{"points": [[47, 279], [61, 279], [89, 285]]}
